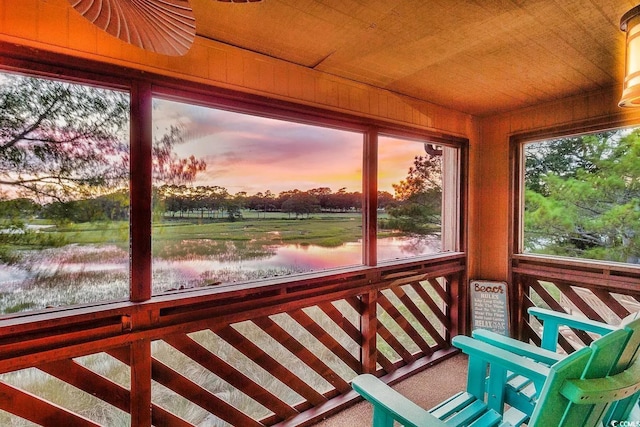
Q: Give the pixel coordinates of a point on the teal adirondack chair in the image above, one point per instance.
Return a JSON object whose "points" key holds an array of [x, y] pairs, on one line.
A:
{"points": [[520, 391], [578, 390]]}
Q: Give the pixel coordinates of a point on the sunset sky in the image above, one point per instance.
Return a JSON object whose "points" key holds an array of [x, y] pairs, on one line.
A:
{"points": [[256, 154]]}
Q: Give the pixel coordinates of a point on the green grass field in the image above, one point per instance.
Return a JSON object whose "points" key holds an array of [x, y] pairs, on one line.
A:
{"points": [[327, 230], [74, 263]]}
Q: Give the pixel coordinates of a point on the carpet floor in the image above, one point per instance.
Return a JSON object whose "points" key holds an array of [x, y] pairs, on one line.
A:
{"points": [[427, 389]]}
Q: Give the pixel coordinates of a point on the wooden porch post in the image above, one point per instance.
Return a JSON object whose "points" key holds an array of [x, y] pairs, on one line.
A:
{"points": [[140, 244], [458, 307], [140, 362], [140, 190], [518, 307], [369, 328]]}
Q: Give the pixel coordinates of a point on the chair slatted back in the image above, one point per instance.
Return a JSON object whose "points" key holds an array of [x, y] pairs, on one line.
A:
{"points": [[599, 360]]}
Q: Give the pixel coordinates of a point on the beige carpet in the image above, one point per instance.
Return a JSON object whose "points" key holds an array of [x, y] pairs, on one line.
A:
{"points": [[427, 389]]}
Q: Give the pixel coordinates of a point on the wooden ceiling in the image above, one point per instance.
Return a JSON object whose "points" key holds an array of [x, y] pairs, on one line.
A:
{"points": [[477, 56]]}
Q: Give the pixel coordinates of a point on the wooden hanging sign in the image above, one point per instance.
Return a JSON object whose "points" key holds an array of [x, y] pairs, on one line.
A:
{"points": [[489, 306]]}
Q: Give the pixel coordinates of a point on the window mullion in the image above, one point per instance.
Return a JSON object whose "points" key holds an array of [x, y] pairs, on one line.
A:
{"points": [[140, 188], [370, 197]]}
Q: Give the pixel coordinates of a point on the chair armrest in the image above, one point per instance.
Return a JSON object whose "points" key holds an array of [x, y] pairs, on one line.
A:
{"points": [[564, 319], [389, 405], [553, 320], [521, 348], [602, 390], [504, 358]]}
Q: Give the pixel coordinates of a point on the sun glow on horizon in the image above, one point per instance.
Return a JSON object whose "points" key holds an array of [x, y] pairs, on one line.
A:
{"points": [[252, 154]]}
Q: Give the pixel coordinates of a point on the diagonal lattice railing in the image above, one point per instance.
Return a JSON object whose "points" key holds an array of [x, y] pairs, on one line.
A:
{"points": [[243, 356], [599, 291]]}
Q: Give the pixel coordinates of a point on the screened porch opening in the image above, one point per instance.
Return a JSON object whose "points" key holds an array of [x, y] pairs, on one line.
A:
{"points": [[227, 226]]}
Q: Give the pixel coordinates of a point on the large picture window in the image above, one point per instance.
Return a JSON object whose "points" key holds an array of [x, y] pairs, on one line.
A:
{"points": [[582, 196], [64, 198], [236, 196], [256, 197]]}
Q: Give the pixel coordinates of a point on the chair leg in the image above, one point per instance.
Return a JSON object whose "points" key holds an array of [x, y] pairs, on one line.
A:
{"points": [[381, 418]]}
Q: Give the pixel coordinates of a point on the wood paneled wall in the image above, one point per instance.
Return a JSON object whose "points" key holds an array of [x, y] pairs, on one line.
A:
{"points": [[54, 26]]}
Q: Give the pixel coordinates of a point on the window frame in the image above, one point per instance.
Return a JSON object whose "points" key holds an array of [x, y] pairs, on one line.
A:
{"points": [[453, 239], [142, 86], [517, 143], [212, 102]]}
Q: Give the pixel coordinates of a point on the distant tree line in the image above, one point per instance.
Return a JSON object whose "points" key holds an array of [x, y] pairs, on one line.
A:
{"points": [[207, 202], [108, 207], [217, 202], [414, 208]]}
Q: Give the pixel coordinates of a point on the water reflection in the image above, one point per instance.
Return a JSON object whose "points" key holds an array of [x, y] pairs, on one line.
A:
{"points": [[281, 260], [390, 248], [81, 274], [64, 276], [213, 250], [278, 261]]}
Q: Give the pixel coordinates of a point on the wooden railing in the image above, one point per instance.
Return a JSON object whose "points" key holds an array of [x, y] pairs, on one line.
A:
{"points": [[262, 354], [606, 292]]}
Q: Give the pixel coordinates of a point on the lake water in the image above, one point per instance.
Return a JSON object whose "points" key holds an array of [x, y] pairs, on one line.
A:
{"points": [[79, 274], [282, 260]]}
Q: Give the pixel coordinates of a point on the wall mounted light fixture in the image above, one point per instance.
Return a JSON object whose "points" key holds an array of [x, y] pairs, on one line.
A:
{"points": [[630, 24]]}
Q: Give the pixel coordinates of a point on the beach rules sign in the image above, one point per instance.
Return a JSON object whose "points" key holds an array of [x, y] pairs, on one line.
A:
{"points": [[489, 306]]}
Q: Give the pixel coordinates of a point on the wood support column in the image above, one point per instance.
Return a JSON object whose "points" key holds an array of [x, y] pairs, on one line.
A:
{"points": [[140, 190], [369, 328], [140, 362], [459, 307]]}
